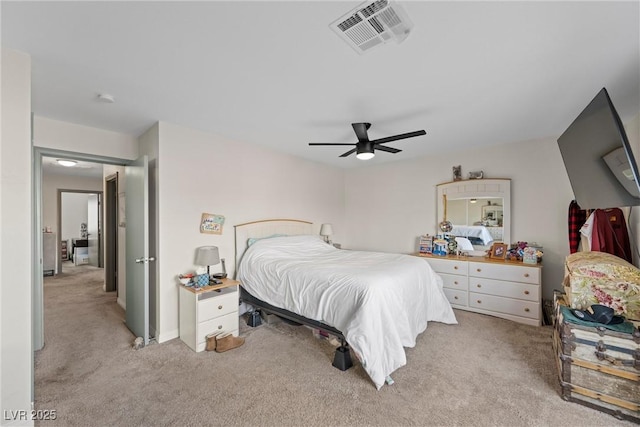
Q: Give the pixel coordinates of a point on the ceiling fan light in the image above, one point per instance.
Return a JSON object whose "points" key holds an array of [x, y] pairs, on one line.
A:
{"points": [[365, 155], [67, 163]]}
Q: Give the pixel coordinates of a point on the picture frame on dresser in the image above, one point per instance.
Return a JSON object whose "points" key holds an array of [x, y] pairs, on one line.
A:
{"points": [[498, 251]]}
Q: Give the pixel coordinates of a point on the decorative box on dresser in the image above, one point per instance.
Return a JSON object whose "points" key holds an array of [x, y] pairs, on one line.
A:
{"points": [[207, 310], [507, 289]]}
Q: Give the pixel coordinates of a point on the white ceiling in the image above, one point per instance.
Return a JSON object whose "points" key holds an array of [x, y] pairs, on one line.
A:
{"points": [[274, 74], [82, 169]]}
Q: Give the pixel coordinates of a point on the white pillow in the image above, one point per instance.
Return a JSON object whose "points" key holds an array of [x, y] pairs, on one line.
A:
{"points": [[252, 240]]}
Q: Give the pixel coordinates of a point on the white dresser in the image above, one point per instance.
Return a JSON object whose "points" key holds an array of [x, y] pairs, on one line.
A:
{"points": [[207, 310], [507, 289]]}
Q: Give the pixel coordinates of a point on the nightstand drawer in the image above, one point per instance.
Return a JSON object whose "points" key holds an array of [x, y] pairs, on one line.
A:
{"points": [[218, 304], [227, 323], [456, 297], [453, 281]]}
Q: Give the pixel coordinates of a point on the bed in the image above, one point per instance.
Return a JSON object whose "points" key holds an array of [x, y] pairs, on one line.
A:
{"points": [[477, 234], [378, 302]]}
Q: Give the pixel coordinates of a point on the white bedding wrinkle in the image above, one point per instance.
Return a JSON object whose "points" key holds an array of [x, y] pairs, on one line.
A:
{"points": [[381, 302]]}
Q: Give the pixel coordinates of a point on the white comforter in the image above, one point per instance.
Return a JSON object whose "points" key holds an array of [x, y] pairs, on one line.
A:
{"points": [[379, 301], [477, 231]]}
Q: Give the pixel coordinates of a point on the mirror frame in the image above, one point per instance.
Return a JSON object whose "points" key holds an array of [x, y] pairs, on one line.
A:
{"points": [[476, 188]]}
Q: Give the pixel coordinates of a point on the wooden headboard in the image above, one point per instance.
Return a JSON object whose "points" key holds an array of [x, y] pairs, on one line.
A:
{"points": [[264, 228]]}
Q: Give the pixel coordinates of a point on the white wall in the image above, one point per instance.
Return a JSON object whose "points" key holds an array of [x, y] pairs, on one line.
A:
{"points": [[16, 352], [388, 206], [200, 172], [50, 133]]}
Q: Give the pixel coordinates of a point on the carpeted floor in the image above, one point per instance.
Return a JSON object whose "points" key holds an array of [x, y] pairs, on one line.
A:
{"points": [[484, 371]]}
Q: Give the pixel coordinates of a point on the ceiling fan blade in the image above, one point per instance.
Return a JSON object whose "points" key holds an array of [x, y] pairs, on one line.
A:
{"points": [[401, 136], [348, 153], [331, 143], [387, 149], [361, 130]]}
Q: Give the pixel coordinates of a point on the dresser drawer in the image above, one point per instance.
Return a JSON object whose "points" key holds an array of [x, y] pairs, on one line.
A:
{"points": [[456, 297], [453, 281], [448, 266], [510, 273], [505, 305], [501, 288], [227, 323], [218, 304]]}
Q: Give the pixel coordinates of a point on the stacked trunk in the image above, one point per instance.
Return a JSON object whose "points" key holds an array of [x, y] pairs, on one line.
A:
{"points": [[598, 367]]}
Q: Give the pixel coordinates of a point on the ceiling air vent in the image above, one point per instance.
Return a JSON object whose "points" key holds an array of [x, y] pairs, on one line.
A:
{"points": [[372, 24]]}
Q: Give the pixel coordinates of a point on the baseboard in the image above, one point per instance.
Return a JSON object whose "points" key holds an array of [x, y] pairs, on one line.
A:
{"points": [[166, 336], [121, 303]]}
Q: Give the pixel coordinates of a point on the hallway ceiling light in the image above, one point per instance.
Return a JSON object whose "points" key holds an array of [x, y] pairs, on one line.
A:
{"points": [[67, 163]]}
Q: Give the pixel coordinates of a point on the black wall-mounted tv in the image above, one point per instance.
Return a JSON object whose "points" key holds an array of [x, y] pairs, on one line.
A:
{"points": [[599, 159]]}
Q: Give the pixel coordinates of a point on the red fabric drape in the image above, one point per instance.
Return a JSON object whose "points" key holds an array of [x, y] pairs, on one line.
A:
{"points": [[577, 218], [610, 233]]}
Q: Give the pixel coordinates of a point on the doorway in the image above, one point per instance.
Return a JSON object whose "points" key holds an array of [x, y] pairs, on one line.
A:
{"points": [[89, 175], [111, 209], [80, 227]]}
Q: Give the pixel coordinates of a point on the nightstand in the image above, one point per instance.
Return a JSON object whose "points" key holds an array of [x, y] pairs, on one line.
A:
{"points": [[207, 310]]}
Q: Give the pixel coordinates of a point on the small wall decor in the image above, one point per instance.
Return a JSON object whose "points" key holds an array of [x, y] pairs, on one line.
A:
{"points": [[498, 251], [83, 231], [457, 173], [211, 223], [476, 175]]}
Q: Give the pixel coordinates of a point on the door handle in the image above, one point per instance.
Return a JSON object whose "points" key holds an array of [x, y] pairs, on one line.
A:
{"points": [[145, 260]]}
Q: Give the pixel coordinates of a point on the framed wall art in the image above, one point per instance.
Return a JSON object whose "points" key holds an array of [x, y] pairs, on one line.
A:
{"points": [[211, 223]]}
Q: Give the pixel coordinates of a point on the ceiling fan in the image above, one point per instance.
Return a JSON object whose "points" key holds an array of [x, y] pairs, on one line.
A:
{"points": [[364, 147]]}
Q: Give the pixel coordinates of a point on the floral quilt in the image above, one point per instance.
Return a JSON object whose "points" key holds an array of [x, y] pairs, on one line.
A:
{"points": [[602, 278]]}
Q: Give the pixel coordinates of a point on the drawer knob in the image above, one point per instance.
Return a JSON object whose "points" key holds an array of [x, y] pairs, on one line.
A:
{"points": [[455, 297], [219, 326], [526, 274], [479, 285], [219, 307], [455, 267], [526, 292], [479, 302], [478, 269], [455, 282], [526, 309]]}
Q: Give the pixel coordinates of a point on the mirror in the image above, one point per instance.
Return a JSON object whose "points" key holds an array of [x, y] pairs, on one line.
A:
{"points": [[478, 209]]}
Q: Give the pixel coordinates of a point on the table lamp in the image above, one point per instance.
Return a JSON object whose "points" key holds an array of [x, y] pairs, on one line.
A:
{"points": [[326, 230], [207, 255]]}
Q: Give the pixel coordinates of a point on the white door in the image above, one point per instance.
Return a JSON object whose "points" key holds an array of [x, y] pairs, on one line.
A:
{"points": [[137, 247], [93, 229]]}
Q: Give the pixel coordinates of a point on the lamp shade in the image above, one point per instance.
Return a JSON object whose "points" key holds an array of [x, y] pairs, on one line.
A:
{"points": [[207, 255], [326, 230]]}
